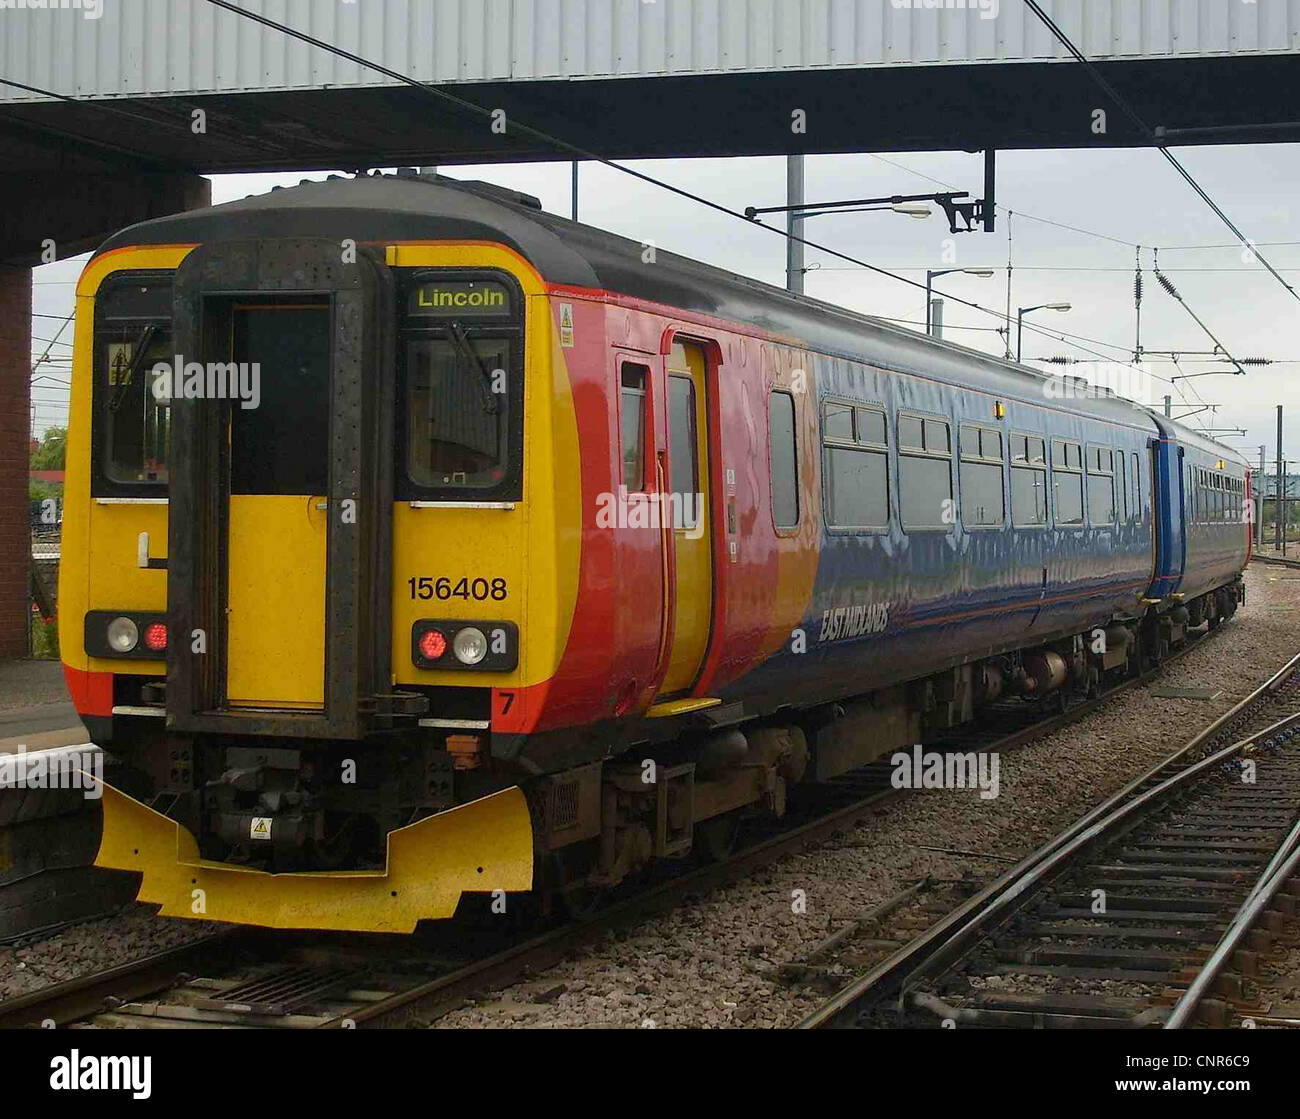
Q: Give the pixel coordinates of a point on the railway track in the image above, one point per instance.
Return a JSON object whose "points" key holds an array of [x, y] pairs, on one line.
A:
{"points": [[1276, 561], [250, 978], [1150, 909]]}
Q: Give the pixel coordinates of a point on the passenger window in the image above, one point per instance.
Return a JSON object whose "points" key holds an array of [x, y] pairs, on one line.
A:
{"points": [[925, 474], [1135, 482], [1028, 482], [837, 421], [683, 449], [632, 403], [1101, 488], [980, 476], [785, 477], [936, 436], [1068, 482], [1121, 485], [857, 477], [871, 426], [909, 433]]}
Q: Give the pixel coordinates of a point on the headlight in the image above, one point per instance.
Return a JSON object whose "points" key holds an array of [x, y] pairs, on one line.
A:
{"points": [[470, 645], [123, 635]]}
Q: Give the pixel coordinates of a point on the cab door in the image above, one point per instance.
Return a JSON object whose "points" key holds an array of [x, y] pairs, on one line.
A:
{"points": [[279, 576], [277, 519], [688, 505]]}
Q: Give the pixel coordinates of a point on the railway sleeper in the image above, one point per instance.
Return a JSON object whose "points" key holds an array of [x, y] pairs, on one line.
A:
{"points": [[1121, 960], [1118, 930], [1059, 971]]}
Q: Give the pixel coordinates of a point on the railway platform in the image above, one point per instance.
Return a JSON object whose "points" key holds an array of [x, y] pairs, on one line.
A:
{"points": [[48, 836]]}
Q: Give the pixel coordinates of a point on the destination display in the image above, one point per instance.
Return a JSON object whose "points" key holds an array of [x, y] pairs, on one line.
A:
{"points": [[460, 298]]}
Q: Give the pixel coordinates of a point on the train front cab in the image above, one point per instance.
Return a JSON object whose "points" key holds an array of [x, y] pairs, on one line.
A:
{"points": [[272, 566]]}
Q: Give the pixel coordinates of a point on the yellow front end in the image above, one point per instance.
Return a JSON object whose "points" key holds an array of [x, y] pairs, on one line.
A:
{"points": [[529, 547]]}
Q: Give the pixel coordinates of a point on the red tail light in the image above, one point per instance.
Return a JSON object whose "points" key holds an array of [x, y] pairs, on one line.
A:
{"points": [[155, 636], [433, 644]]}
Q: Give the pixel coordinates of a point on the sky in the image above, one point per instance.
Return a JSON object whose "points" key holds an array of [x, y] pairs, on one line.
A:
{"points": [[1113, 199]]}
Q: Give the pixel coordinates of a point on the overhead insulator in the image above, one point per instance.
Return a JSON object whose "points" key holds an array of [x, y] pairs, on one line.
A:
{"points": [[1137, 287], [1168, 285]]}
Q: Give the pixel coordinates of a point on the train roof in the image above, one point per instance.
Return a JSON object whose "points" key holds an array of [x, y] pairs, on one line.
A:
{"points": [[407, 206]]}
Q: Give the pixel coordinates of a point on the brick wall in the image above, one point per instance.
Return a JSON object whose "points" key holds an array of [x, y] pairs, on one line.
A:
{"points": [[15, 423]]}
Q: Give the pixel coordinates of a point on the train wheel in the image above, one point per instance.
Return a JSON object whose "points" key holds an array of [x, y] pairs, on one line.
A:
{"points": [[716, 839], [571, 890]]}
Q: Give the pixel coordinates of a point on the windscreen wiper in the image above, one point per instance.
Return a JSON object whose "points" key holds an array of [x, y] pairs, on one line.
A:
{"points": [[466, 349], [142, 345]]}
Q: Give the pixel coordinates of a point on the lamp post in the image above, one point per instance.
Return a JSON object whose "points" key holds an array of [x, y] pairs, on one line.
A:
{"points": [[1023, 311], [929, 280]]}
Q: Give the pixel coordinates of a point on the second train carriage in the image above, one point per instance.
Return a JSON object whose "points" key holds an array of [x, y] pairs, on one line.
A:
{"points": [[518, 520]]}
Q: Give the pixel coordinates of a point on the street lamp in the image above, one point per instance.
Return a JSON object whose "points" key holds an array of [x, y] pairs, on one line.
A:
{"points": [[798, 215], [929, 279], [1020, 318]]}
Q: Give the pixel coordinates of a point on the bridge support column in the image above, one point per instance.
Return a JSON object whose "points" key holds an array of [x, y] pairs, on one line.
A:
{"points": [[15, 424]]}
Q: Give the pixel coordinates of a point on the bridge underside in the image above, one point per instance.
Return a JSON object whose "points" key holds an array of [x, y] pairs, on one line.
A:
{"points": [[1021, 105]]}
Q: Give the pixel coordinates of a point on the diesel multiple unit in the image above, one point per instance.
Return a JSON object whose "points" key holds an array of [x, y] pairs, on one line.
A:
{"points": [[419, 543]]}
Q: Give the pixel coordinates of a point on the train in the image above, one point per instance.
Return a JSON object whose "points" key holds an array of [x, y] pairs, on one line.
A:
{"points": [[419, 544]]}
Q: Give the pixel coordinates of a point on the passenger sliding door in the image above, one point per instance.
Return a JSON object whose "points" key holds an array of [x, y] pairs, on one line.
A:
{"points": [[692, 538]]}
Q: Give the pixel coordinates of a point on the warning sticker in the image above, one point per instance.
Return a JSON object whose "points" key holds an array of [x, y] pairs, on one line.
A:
{"points": [[566, 325], [119, 361], [260, 828]]}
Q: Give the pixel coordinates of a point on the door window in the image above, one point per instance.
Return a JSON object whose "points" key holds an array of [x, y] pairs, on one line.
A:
{"points": [[683, 452]]}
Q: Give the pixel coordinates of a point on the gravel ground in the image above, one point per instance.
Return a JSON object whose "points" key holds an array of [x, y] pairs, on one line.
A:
{"points": [[93, 946], [1277, 987], [706, 964]]}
